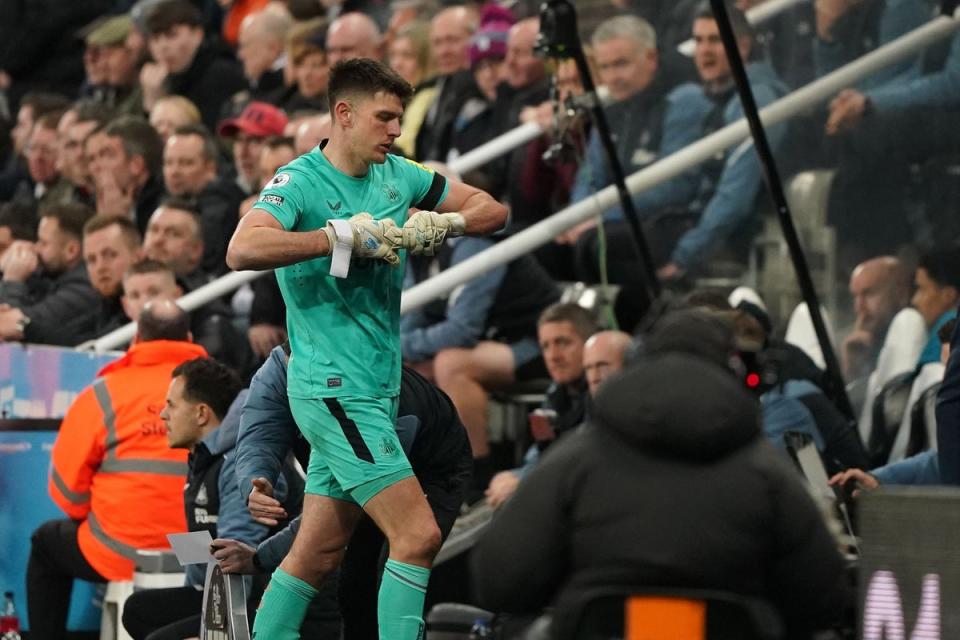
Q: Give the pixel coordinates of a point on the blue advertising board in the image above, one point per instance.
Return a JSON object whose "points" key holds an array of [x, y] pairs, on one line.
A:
{"points": [[37, 385]]}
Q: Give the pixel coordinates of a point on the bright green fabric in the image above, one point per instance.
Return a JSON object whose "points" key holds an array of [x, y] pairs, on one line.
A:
{"points": [[282, 608], [345, 332], [400, 602]]}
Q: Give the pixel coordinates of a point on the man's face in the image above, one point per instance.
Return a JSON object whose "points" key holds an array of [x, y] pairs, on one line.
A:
{"points": [[449, 43], [54, 248], [272, 159], [186, 171], [174, 239], [176, 48], [624, 67], [142, 288], [562, 350], [931, 298], [108, 255], [709, 55], [246, 156], [72, 162], [874, 299], [600, 361], [345, 40], [106, 157], [523, 68], [568, 80], [313, 74], [374, 126], [42, 155], [121, 65], [181, 417], [20, 134]]}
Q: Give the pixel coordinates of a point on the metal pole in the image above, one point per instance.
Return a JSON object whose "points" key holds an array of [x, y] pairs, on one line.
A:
{"points": [[835, 386]]}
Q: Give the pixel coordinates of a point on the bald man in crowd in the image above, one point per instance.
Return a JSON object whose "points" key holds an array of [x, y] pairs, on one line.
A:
{"points": [[260, 48], [603, 356], [353, 35], [880, 288]]}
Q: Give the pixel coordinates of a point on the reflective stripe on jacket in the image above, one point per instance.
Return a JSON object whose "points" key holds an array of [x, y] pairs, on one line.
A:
{"points": [[111, 464]]}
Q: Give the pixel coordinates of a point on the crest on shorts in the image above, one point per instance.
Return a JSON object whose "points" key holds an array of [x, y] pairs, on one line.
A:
{"points": [[279, 180], [387, 448], [390, 192]]}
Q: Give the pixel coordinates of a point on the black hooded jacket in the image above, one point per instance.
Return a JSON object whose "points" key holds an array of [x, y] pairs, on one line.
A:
{"points": [[672, 486]]}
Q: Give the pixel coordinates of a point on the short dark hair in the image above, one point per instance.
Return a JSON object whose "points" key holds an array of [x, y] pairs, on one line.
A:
{"points": [[211, 152], [210, 382], [275, 142], [21, 218], [70, 217], [583, 321], [164, 16], [148, 265], [87, 110], [159, 326], [139, 139], [41, 103], [190, 205], [49, 120], [738, 19], [128, 228], [365, 77], [945, 332], [942, 266]]}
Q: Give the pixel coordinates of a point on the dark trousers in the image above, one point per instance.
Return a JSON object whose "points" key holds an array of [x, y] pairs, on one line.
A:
{"points": [[163, 614], [55, 561]]}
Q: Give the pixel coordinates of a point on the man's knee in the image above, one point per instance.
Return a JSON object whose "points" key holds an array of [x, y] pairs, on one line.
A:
{"points": [[419, 541], [451, 364], [48, 536]]}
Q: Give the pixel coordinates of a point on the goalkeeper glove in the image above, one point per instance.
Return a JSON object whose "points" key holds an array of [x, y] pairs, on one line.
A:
{"points": [[425, 231], [377, 239]]}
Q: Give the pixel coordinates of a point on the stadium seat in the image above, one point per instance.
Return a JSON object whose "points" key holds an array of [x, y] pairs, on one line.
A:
{"points": [[668, 614], [889, 409], [155, 569], [918, 427]]}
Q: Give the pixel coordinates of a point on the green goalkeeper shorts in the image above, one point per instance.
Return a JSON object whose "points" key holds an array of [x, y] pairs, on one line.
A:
{"points": [[354, 449]]}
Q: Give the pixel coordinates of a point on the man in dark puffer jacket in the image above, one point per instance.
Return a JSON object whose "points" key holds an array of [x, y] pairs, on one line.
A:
{"points": [[670, 487]]}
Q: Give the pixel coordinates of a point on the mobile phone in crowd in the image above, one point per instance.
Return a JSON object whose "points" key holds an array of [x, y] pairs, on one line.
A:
{"points": [[543, 425]]}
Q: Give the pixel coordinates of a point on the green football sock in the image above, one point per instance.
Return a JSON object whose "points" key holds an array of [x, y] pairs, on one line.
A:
{"points": [[400, 603], [283, 607]]}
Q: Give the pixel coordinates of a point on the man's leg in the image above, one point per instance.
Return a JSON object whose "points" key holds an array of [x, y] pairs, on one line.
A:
{"points": [[145, 612], [325, 529], [465, 375], [55, 561], [402, 513]]}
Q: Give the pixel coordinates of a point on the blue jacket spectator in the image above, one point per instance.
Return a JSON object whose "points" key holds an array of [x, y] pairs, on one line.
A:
{"points": [[938, 89], [948, 416], [921, 469]]}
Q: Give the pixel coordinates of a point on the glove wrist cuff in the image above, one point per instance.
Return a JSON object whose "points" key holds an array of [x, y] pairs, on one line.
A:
{"points": [[340, 235]]}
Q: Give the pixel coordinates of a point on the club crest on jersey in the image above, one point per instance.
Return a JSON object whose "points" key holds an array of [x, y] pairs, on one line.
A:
{"points": [[279, 180], [390, 192]]}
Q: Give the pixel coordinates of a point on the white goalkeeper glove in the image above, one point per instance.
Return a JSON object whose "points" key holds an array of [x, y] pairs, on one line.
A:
{"points": [[425, 231], [363, 237]]}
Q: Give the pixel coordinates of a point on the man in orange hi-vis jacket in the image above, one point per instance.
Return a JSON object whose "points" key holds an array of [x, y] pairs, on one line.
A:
{"points": [[112, 473]]}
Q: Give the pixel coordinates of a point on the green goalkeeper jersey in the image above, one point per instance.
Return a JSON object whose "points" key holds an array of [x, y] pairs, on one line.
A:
{"points": [[344, 332]]}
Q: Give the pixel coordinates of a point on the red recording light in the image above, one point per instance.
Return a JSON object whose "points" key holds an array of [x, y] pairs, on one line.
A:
{"points": [[753, 380]]}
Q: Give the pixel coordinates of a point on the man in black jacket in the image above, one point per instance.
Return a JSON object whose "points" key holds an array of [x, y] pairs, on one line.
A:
{"points": [[45, 294], [205, 72], [673, 487], [190, 171]]}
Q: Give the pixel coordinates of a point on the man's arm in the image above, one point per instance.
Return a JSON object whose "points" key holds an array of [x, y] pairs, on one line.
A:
{"points": [[77, 453], [480, 211], [260, 243]]}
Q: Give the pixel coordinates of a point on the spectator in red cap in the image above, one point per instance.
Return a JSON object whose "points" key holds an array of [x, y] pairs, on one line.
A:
{"points": [[255, 123]]}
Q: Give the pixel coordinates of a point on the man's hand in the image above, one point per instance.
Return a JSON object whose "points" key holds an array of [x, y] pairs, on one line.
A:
{"points": [[10, 322], [19, 262], [855, 353], [570, 236], [112, 199], [152, 78], [670, 271], [828, 13], [846, 111], [425, 231], [863, 479], [264, 337], [502, 486], [264, 508], [377, 239], [233, 556]]}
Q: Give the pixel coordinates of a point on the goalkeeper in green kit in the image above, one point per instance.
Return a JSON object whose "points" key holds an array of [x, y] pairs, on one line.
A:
{"points": [[332, 223]]}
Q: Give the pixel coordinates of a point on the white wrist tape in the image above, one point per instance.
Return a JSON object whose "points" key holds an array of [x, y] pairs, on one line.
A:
{"points": [[342, 250]]}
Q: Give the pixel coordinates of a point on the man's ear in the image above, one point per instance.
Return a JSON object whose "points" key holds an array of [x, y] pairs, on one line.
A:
{"points": [[343, 114]]}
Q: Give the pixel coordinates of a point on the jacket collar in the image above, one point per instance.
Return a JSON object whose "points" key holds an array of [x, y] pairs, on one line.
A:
{"points": [[145, 354]]}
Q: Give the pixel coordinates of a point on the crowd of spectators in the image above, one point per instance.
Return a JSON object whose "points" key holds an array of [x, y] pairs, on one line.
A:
{"points": [[140, 133]]}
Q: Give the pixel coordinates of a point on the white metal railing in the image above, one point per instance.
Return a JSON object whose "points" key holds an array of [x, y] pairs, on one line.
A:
{"points": [[543, 232]]}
